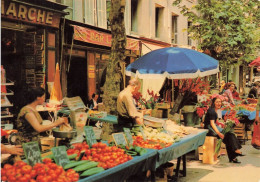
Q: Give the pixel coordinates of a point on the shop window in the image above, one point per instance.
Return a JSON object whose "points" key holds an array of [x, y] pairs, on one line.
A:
{"points": [[158, 20], [102, 61], [174, 30]]}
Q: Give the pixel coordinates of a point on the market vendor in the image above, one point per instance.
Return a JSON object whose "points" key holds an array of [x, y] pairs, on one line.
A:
{"points": [[127, 112], [29, 121]]}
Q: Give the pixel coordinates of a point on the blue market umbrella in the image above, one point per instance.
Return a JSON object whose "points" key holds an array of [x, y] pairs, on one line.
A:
{"points": [[173, 63]]}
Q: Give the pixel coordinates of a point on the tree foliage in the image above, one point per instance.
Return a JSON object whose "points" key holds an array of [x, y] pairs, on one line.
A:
{"points": [[228, 29]]}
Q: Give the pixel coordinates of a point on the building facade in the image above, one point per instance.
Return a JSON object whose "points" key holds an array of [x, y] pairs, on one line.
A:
{"points": [[150, 25]]}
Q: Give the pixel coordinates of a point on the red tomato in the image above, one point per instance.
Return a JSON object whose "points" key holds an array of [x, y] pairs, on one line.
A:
{"points": [[27, 176], [19, 164], [8, 166], [70, 151], [26, 169], [47, 160], [32, 180], [12, 178], [3, 172], [33, 173], [3, 178]]}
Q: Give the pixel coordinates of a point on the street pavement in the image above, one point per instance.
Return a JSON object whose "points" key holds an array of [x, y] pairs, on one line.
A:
{"points": [[223, 170]]}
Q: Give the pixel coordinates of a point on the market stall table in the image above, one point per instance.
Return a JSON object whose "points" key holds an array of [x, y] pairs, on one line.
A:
{"points": [[127, 169], [179, 149]]}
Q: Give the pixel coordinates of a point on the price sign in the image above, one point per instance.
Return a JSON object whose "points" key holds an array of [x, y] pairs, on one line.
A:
{"points": [[60, 155], [32, 153], [119, 138], [90, 135], [142, 132], [128, 136]]}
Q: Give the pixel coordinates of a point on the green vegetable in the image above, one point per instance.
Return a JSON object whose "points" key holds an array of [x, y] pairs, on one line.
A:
{"points": [[133, 153], [86, 166], [72, 156], [48, 156], [143, 151], [75, 163], [138, 149], [92, 171]]}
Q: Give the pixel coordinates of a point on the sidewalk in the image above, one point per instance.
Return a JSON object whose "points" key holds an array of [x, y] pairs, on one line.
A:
{"points": [[223, 171]]}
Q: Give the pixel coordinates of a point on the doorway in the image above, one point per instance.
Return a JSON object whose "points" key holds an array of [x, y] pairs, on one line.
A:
{"points": [[77, 79]]}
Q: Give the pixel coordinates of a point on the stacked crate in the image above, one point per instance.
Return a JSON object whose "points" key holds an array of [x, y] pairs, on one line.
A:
{"points": [[240, 131]]}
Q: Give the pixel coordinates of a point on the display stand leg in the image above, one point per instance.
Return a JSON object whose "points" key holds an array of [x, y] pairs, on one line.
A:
{"points": [[152, 176], [177, 170]]}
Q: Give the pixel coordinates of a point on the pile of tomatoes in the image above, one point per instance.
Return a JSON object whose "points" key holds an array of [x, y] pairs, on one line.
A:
{"points": [[40, 172], [150, 144], [107, 156]]}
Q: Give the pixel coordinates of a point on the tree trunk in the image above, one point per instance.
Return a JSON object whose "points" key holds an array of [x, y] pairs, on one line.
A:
{"points": [[177, 104], [114, 75]]}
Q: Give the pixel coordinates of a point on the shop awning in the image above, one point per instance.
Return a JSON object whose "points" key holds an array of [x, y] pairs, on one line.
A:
{"points": [[100, 38]]}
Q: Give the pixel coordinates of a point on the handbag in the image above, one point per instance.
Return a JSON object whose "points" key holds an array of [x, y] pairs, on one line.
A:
{"points": [[256, 136]]}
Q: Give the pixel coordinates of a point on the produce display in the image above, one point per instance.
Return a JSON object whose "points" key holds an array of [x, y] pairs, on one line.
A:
{"points": [[151, 144], [104, 156], [40, 172], [134, 150]]}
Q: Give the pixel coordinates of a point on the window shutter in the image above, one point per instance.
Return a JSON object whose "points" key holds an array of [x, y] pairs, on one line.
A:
{"points": [[79, 13], [90, 8], [101, 14]]}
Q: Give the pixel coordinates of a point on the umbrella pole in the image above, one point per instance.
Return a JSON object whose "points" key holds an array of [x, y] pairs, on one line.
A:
{"points": [[172, 91]]}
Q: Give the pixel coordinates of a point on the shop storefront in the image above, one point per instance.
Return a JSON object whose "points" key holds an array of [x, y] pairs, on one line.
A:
{"points": [[86, 56], [30, 42]]}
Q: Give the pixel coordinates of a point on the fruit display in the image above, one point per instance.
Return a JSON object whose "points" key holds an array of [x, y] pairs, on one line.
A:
{"points": [[40, 172], [104, 156], [134, 150]]}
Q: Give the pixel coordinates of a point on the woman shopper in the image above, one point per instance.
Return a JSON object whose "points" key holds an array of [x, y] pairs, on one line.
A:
{"points": [[229, 91], [232, 143], [29, 121]]}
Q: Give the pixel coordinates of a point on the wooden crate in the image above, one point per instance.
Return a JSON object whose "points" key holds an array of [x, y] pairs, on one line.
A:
{"points": [[209, 156], [200, 151]]}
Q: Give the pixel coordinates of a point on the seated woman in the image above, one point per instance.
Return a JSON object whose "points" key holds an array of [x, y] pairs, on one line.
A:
{"points": [[29, 121], [232, 144], [229, 91]]}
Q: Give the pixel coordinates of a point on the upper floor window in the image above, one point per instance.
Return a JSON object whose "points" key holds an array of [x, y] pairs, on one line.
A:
{"points": [[158, 20], [134, 18], [70, 8], [174, 30], [189, 39]]}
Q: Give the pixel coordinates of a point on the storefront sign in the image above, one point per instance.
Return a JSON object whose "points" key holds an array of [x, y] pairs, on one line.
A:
{"points": [[100, 38], [27, 13], [91, 71]]}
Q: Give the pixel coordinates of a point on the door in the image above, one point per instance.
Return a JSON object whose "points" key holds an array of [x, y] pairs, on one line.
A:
{"points": [[77, 79]]}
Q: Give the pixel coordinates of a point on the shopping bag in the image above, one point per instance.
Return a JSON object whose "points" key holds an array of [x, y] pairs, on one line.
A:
{"points": [[256, 136]]}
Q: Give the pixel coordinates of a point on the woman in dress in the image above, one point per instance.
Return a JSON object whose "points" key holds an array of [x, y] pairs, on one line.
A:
{"points": [[29, 121], [229, 91], [232, 143]]}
